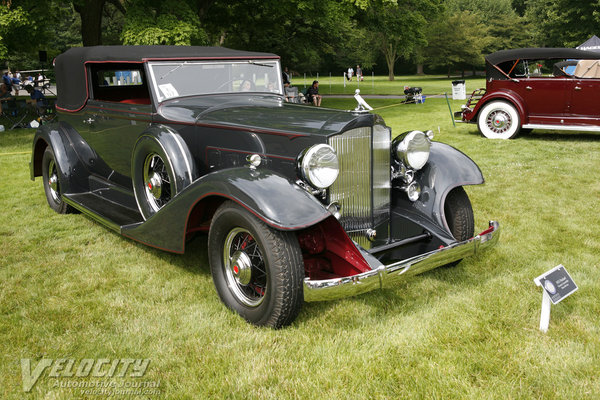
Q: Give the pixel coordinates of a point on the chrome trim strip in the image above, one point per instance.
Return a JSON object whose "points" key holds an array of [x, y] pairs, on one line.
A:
{"points": [[387, 275], [584, 128]]}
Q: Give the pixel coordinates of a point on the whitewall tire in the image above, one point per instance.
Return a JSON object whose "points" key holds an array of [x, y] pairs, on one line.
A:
{"points": [[499, 120]]}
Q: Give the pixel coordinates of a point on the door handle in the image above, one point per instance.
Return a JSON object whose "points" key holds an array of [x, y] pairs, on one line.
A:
{"points": [[89, 121], [577, 87], [528, 87]]}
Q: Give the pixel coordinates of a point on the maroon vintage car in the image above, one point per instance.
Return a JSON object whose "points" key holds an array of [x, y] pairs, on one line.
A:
{"points": [[537, 88]]}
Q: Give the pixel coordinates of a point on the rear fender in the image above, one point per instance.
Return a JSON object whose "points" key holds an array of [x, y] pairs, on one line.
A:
{"points": [[267, 195], [67, 155]]}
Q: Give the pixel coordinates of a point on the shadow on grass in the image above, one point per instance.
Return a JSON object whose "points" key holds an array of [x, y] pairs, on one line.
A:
{"points": [[403, 298], [556, 136]]}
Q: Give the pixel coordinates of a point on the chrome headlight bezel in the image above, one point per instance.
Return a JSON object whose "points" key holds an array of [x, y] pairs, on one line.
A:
{"points": [[319, 166], [412, 149]]}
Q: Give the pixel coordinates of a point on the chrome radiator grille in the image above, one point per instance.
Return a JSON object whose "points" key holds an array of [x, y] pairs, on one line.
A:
{"points": [[363, 186]]}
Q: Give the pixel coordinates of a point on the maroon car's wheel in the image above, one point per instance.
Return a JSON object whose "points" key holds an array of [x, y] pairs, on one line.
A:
{"points": [[257, 270], [51, 176], [499, 120]]}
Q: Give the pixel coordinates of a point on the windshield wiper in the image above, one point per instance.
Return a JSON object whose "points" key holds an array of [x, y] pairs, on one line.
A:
{"points": [[259, 64], [173, 70]]}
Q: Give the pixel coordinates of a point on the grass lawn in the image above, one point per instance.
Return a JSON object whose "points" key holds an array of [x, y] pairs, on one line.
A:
{"points": [[431, 84], [71, 288]]}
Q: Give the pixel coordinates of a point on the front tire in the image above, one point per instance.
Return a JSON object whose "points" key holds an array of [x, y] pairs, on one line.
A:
{"points": [[459, 214], [257, 271], [499, 120], [51, 176]]}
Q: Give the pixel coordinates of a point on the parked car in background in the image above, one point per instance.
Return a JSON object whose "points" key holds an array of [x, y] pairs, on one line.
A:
{"points": [[537, 88], [160, 143]]}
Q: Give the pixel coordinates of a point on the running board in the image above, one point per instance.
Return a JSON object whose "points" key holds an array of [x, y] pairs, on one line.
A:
{"points": [[106, 212], [584, 128]]}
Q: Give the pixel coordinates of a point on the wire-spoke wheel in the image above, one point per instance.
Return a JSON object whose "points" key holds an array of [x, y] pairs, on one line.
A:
{"points": [[51, 176], [157, 183], [257, 270], [499, 120], [244, 267]]}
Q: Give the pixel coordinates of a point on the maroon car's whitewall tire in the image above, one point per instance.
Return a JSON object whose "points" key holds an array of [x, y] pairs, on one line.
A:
{"points": [[257, 271], [499, 120]]}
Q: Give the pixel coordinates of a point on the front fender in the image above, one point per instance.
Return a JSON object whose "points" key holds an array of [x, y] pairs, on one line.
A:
{"points": [[269, 196], [446, 169]]}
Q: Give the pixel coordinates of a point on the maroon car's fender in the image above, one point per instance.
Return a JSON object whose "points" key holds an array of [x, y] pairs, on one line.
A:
{"points": [[506, 95]]}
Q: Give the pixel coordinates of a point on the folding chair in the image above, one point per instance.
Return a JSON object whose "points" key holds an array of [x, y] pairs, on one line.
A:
{"points": [[14, 113]]}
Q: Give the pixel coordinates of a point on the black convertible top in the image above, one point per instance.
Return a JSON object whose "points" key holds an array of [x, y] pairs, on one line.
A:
{"points": [[71, 75], [540, 53]]}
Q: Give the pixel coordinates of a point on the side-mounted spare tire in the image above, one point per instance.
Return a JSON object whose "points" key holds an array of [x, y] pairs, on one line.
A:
{"points": [[161, 167]]}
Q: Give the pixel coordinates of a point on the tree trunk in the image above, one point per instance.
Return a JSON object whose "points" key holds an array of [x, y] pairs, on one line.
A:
{"points": [[91, 20], [420, 69], [390, 58]]}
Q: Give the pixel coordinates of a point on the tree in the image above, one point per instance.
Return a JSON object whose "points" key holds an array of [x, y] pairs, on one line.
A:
{"points": [[91, 12], [563, 23], [456, 41], [398, 27], [303, 32], [168, 22]]}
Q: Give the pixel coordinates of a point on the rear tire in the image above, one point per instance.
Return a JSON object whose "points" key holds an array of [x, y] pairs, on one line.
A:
{"points": [[257, 271], [51, 177]]}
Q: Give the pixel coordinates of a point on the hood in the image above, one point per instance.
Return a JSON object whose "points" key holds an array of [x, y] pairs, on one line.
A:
{"points": [[261, 112]]}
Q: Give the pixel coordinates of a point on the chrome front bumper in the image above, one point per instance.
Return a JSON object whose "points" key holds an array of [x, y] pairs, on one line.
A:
{"points": [[387, 275]]}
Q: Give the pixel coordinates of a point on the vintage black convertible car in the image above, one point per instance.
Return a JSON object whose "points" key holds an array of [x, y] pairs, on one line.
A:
{"points": [[300, 203]]}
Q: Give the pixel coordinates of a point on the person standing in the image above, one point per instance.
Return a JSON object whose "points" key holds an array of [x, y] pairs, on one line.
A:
{"points": [[7, 80], [350, 73], [359, 75]]}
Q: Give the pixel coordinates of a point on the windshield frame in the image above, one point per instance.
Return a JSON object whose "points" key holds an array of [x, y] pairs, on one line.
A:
{"points": [[176, 65]]}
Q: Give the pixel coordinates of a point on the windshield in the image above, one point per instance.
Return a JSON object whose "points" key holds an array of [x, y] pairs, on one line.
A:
{"points": [[185, 78]]}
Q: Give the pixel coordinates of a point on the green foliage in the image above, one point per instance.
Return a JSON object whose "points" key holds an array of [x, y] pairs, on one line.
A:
{"points": [[457, 40], [397, 29], [563, 23], [15, 22], [169, 22]]}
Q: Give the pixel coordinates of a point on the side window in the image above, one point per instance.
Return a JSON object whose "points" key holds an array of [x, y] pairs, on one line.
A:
{"points": [[119, 78], [117, 82]]}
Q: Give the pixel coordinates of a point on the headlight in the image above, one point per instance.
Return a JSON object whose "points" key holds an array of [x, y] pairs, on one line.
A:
{"points": [[319, 166], [413, 149]]}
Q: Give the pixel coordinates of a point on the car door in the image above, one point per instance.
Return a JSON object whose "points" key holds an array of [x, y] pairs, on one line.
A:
{"points": [[585, 102], [546, 98]]}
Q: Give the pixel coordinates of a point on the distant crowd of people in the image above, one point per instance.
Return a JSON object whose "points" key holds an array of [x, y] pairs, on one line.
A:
{"points": [[15, 82]]}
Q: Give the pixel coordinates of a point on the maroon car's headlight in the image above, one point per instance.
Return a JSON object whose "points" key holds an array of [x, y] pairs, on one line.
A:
{"points": [[319, 166]]}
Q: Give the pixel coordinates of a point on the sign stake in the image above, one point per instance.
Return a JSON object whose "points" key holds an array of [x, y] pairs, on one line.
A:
{"points": [[556, 285]]}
